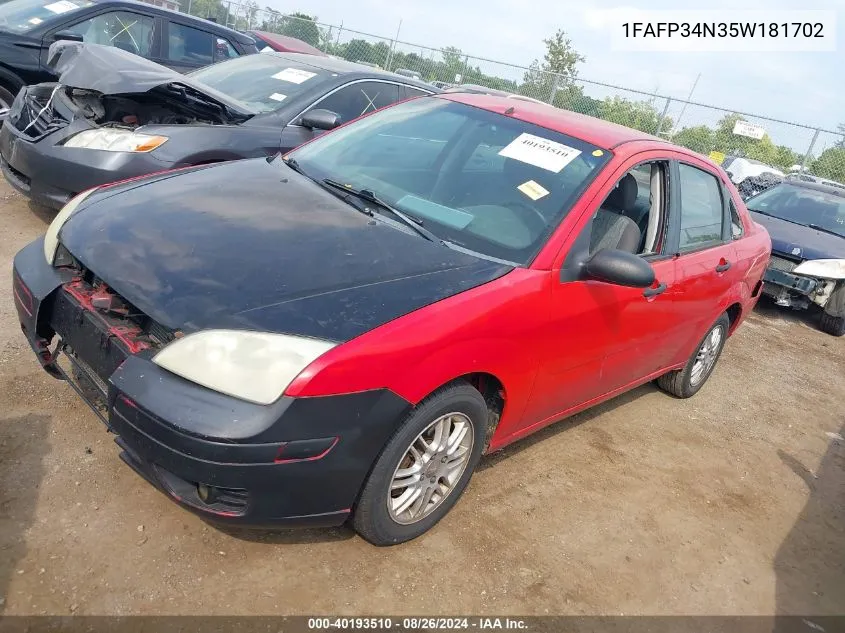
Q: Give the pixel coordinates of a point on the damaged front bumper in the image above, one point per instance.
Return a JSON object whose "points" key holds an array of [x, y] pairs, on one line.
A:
{"points": [[298, 461], [789, 290], [36, 163]]}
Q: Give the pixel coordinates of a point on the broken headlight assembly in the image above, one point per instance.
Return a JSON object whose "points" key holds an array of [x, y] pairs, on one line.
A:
{"points": [[822, 268], [51, 238], [253, 366], [116, 140]]}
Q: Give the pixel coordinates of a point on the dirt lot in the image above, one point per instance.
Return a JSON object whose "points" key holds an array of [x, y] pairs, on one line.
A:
{"points": [[732, 502]]}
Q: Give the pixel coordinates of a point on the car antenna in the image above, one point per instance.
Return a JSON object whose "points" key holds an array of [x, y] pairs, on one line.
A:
{"points": [[510, 110]]}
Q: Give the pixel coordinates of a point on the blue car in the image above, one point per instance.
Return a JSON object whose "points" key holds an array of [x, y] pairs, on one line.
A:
{"points": [[806, 221]]}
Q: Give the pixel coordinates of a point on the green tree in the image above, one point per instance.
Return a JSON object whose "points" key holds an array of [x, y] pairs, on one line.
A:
{"points": [[302, 27], [557, 70], [698, 138], [358, 50], [640, 115], [831, 164]]}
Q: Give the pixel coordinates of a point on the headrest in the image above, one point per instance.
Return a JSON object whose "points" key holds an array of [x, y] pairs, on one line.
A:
{"points": [[624, 195]]}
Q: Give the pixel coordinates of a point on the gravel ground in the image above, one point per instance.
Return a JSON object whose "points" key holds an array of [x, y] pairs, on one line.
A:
{"points": [[728, 503]]}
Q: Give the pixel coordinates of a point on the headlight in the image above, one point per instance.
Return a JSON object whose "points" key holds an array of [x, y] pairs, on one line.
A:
{"points": [[822, 268], [51, 238], [116, 140], [253, 366]]}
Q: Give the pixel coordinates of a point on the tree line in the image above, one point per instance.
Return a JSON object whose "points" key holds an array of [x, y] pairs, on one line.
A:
{"points": [[551, 79]]}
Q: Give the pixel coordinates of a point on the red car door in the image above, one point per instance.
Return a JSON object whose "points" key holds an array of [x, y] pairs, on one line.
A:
{"points": [[705, 266], [602, 337]]}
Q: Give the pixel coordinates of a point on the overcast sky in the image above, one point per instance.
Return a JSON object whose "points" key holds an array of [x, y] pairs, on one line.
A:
{"points": [[802, 87]]}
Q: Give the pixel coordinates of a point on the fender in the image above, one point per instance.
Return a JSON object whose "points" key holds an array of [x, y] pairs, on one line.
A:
{"points": [[415, 354]]}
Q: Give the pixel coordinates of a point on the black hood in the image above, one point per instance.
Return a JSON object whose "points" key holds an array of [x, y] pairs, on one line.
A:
{"points": [[799, 241], [252, 244], [111, 71]]}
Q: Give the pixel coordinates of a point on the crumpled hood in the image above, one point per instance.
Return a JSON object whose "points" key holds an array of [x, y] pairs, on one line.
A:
{"points": [[795, 240], [251, 244], [110, 71]]}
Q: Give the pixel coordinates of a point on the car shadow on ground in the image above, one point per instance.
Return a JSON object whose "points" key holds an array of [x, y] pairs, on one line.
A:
{"points": [[287, 536], [810, 563], [808, 318], [566, 424], [23, 446], [45, 214]]}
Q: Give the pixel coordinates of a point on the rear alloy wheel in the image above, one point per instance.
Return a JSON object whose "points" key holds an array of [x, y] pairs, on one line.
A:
{"points": [[424, 468], [686, 382]]}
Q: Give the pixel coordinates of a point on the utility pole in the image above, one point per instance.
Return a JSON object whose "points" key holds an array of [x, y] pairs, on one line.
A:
{"points": [[392, 46], [689, 96]]}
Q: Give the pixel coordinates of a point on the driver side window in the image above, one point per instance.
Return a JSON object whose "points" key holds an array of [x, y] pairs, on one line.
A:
{"points": [[132, 32], [632, 216]]}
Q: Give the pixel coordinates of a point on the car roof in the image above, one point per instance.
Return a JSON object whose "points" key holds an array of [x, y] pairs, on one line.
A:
{"points": [[288, 42], [600, 133], [344, 67], [815, 186], [207, 24]]}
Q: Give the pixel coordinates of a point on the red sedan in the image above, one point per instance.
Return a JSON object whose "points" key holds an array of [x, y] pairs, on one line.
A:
{"points": [[340, 334]]}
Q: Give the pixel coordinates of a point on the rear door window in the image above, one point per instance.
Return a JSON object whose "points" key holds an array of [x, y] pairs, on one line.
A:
{"points": [[190, 46], [702, 211]]}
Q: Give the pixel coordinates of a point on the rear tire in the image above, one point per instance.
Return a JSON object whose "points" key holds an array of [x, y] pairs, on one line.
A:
{"points": [[685, 383], [410, 473]]}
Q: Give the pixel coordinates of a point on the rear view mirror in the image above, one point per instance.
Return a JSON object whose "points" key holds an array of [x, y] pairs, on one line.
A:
{"points": [[618, 267], [320, 119], [67, 36]]}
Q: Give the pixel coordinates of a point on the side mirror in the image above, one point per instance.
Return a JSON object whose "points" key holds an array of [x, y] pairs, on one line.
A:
{"points": [[67, 36], [320, 119], [620, 268]]}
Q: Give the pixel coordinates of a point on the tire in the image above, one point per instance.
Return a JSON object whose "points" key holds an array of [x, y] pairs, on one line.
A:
{"points": [[685, 383], [6, 98], [832, 324], [457, 407]]}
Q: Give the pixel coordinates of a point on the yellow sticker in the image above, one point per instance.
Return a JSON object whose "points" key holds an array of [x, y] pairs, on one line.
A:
{"points": [[533, 190], [598, 152], [717, 157]]}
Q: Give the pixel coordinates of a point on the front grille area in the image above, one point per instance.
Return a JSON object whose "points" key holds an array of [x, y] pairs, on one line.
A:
{"points": [[783, 264], [37, 118], [100, 327]]}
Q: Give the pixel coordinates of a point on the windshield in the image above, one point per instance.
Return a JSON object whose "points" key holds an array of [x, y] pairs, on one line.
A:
{"points": [[21, 16], [802, 206], [477, 179], [262, 82]]}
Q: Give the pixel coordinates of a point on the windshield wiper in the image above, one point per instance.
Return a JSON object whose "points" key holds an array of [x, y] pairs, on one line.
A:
{"points": [[826, 230], [291, 162], [369, 196]]}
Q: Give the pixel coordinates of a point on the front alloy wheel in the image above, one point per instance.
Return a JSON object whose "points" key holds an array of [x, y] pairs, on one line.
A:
{"points": [[425, 466], [430, 468]]}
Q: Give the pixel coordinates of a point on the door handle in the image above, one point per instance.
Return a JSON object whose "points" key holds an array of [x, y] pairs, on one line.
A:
{"points": [[723, 266], [653, 292]]}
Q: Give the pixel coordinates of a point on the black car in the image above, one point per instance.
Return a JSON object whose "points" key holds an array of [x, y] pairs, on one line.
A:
{"points": [[177, 40], [806, 221], [114, 115]]}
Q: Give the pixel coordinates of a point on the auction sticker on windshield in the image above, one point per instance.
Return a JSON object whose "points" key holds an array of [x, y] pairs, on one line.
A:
{"points": [[62, 6], [294, 75], [276, 96], [533, 190], [540, 152]]}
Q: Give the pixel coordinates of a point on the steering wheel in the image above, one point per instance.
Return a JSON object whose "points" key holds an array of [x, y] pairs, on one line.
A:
{"points": [[528, 210]]}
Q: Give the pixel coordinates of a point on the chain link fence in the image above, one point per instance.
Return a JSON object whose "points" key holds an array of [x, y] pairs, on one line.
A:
{"points": [[707, 129]]}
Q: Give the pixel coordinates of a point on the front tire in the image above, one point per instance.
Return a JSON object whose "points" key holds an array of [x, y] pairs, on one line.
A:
{"points": [[685, 383], [832, 324], [6, 99], [424, 468]]}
